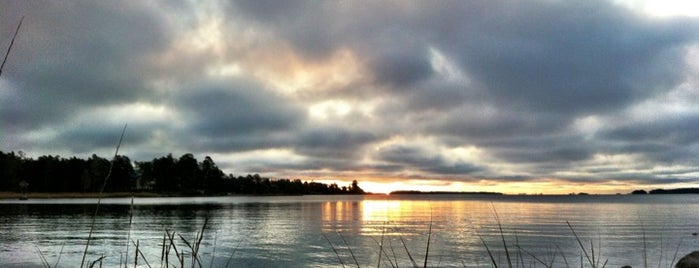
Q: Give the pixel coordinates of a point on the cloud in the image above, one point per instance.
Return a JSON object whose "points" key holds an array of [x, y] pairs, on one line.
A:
{"points": [[73, 55], [456, 91], [415, 157], [236, 115]]}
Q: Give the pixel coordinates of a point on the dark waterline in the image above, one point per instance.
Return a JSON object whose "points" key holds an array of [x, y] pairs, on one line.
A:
{"points": [[284, 231]]}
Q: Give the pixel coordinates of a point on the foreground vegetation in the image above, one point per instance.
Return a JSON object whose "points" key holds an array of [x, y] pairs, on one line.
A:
{"points": [[165, 175], [200, 250]]}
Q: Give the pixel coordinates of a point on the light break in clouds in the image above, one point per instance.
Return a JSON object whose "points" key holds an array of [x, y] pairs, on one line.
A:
{"points": [[513, 96]]}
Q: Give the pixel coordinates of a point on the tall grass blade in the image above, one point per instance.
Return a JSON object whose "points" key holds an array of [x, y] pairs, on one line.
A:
{"points": [[92, 264], [487, 249], [408, 252], [429, 237], [349, 248], [564, 256], [236, 249], [677, 250], [535, 258], [581, 245], [193, 250], [44, 262], [213, 254], [383, 232], [332, 247], [592, 252], [11, 44], [645, 249], [395, 258], [171, 238], [59, 254], [660, 259], [383, 251], [162, 252], [128, 233], [135, 258], [502, 235], [139, 252], [99, 198]]}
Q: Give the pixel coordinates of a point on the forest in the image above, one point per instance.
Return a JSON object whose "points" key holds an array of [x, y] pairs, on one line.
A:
{"points": [[183, 176]]}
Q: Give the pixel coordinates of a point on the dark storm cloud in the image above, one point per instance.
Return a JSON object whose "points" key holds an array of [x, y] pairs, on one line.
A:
{"points": [[568, 57], [338, 142], [675, 130], [72, 54], [235, 114]]}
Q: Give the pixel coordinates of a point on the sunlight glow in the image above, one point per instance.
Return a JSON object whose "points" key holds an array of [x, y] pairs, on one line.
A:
{"points": [[663, 8], [329, 109], [290, 73]]}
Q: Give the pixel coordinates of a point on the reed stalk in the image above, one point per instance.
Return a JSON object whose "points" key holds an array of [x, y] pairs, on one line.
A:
{"points": [[213, 254], [408, 252], [490, 254], [9, 48], [60, 252], [128, 233], [349, 248], [581, 246], [99, 198], [137, 253], [99, 260], [383, 252], [502, 235], [383, 232], [333, 248], [44, 262], [429, 237], [236, 249]]}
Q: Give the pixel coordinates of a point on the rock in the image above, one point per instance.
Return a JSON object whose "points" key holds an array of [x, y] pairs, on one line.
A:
{"points": [[689, 261], [626, 266]]}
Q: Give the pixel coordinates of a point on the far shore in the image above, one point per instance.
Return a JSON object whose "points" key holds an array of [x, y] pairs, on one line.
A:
{"points": [[13, 195]]}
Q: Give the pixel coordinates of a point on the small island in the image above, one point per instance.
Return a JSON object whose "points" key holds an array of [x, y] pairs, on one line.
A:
{"points": [[668, 191], [442, 192]]}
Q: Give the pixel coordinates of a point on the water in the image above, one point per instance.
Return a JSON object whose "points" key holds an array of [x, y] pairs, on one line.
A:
{"points": [[332, 231]]}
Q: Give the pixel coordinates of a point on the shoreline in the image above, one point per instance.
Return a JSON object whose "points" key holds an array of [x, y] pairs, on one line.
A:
{"points": [[14, 195]]}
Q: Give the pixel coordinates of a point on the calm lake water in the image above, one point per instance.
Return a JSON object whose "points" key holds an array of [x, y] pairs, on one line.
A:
{"points": [[327, 231]]}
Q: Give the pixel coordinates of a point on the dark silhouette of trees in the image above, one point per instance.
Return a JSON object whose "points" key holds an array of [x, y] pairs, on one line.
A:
{"points": [[212, 177], [188, 172], [10, 170], [165, 175]]}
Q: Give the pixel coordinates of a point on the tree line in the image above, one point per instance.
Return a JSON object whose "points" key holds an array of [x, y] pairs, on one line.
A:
{"points": [[164, 175]]}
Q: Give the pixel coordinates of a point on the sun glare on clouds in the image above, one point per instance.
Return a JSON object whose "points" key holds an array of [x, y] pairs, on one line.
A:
{"points": [[663, 8]]}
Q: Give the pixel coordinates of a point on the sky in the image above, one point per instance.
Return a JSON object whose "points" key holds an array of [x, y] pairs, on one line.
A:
{"points": [[540, 96]]}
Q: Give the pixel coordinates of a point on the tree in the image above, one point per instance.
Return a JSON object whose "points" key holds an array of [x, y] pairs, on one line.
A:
{"points": [[98, 168], [10, 168], [164, 173], [123, 176], [188, 170], [212, 181], [354, 188], [145, 175]]}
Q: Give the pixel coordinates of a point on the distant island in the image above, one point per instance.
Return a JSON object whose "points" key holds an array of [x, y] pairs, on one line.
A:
{"points": [[668, 191], [442, 192]]}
